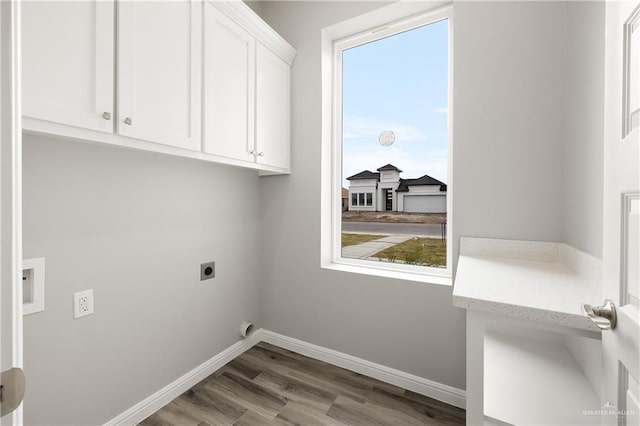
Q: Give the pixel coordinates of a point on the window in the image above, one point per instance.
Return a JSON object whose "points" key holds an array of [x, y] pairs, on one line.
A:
{"points": [[389, 88], [358, 199]]}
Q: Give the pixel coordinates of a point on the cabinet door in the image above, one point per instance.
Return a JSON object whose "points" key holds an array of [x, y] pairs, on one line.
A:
{"points": [[229, 87], [67, 62], [159, 64], [272, 109]]}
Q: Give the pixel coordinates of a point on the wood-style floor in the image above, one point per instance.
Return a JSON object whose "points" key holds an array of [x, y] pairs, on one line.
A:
{"points": [[268, 385]]}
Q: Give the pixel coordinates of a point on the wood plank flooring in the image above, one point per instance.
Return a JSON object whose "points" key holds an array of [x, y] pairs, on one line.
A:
{"points": [[268, 385]]}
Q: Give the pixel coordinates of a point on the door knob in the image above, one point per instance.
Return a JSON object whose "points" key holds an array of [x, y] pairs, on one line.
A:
{"points": [[106, 115], [252, 152], [11, 390], [128, 121], [603, 316], [261, 154]]}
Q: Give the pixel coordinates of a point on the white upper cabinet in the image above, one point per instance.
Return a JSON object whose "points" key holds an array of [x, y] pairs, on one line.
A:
{"points": [[67, 63], [229, 87], [195, 78], [246, 89], [273, 113], [159, 71]]}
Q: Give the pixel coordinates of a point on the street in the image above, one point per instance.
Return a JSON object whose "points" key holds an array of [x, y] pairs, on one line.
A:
{"points": [[418, 229]]}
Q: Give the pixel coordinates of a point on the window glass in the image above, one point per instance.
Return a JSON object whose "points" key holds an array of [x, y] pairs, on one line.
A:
{"points": [[395, 144]]}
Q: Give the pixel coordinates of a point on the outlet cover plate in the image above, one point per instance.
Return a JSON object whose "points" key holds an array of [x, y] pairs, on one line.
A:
{"points": [[207, 271], [82, 303]]}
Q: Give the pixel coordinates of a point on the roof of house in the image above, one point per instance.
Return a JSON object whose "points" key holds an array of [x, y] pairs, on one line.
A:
{"points": [[389, 167], [424, 180], [365, 175], [404, 183]]}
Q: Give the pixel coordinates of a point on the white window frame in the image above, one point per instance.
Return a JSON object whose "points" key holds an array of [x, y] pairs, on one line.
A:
{"points": [[380, 23], [365, 203]]}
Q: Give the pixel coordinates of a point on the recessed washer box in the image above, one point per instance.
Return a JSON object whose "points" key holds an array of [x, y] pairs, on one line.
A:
{"points": [[32, 285]]}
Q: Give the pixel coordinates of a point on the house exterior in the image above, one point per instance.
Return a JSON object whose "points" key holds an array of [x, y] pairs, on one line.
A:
{"points": [[385, 190], [345, 199]]}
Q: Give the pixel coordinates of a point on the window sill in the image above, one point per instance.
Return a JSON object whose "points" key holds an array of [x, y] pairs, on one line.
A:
{"points": [[387, 273]]}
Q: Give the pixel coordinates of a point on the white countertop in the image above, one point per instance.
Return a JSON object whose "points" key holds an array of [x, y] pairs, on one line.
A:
{"points": [[538, 281]]}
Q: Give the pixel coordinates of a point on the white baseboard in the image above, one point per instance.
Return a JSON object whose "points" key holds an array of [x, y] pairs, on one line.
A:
{"points": [[435, 390], [153, 403]]}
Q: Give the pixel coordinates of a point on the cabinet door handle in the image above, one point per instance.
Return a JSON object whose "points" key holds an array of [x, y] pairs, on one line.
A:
{"points": [[261, 154], [106, 115], [252, 152], [128, 121]]}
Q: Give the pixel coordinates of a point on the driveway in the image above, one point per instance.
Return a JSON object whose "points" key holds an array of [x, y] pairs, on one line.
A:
{"points": [[413, 229]]}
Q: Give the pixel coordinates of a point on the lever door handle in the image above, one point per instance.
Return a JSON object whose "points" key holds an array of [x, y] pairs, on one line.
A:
{"points": [[603, 316], [11, 390]]}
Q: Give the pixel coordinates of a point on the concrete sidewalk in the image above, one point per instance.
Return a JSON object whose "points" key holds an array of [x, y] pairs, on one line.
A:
{"points": [[415, 229], [369, 248]]}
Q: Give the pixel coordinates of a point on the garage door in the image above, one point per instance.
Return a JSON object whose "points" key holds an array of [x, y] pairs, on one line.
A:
{"points": [[425, 203]]}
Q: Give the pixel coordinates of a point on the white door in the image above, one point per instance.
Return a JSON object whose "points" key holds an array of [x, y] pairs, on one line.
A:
{"points": [[621, 254], [272, 109], [10, 218], [159, 69], [229, 87], [67, 62]]}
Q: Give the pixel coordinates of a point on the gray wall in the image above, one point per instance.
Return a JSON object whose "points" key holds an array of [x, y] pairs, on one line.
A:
{"points": [[508, 160], [584, 126], [508, 115], [134, 227]]}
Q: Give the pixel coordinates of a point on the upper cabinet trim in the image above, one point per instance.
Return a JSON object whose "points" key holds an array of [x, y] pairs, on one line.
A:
{"points": [[247, 18]]}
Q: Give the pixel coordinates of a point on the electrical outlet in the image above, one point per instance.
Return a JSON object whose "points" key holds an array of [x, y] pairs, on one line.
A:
{"points": [[207, 271], [82, 303]]}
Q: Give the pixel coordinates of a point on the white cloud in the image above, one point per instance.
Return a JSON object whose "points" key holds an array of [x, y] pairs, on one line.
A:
{"points": [[351, 135], [368, 128]]}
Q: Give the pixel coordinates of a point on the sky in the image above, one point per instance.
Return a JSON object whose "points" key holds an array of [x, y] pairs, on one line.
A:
{"points": [[400, 84]]}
